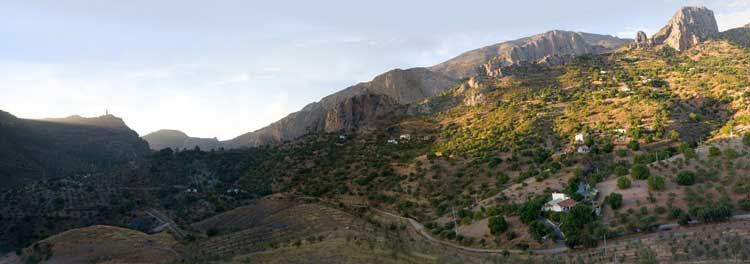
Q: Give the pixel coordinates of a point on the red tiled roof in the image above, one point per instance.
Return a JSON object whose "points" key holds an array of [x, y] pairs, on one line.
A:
{"points": [[568, 203]]}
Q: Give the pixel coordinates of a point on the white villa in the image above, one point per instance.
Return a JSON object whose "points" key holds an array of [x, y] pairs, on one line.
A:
{"points": [[560, 203], [583, 149], [405, 137], [393, 141]]}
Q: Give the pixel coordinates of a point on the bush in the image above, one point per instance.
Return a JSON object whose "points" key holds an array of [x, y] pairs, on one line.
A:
{"points": [[656, 183], [614, 200], [622, 153], [633, 144], [746, 138], [714, 151], [730, 153], [620, 170], [686, 178], [497, 225], [623, 183], [639, 172], [538, 230], [744, 204]]}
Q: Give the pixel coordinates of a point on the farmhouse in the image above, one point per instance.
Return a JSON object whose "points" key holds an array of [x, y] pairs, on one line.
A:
{"points": [[560, 203]]}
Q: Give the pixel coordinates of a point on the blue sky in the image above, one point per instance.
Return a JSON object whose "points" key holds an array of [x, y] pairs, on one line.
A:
{"points": [[222, 68]]}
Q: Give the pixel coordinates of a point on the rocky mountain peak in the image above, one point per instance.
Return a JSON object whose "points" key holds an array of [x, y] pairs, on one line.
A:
{"points": [[641, 40], [688, 27]]}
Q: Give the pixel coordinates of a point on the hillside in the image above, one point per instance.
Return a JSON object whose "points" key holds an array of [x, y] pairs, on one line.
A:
{"points": [[39, 149], [176, 139], [648, 142]]}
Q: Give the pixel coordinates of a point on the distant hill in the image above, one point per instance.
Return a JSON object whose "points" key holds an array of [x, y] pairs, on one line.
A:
{"points": [[37, 149], [175, 139]]}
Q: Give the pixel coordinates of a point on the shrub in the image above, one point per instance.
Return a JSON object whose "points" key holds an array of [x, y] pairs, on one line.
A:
{"points": [[744, 204], [623, 183], [538, 230], [746, 138], [620, 170], [622, 153], [714, 151], [656, 182], [686, 178], [614, 200], [633, 144], [639, 172], [730, 153], [497, 225]]}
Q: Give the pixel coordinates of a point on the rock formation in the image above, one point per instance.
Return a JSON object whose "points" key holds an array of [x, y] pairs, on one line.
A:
{"points": [[641, 40], [740, 36], [368, 101], [688, 27], [489, 60]]}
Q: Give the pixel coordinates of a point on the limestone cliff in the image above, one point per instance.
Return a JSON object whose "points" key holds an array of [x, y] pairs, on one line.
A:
{"points": [[688, 27], [557, 43]]}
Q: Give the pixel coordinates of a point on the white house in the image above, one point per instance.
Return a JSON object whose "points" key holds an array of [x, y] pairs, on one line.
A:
{"points": [[621, 131], [405, 137], [624, 88], [583, 149], [560, 203], [342, 137], [393, 141]]}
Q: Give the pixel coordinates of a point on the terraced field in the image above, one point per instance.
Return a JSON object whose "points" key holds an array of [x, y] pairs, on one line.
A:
{"points": [[268, 224]]}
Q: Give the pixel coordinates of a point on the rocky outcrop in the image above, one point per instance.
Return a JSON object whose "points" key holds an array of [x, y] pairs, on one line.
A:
{"points": [[557, 43], [361, 112], [551, 48], [368, 102], [641, 40], [688, 27], [176, 139]]}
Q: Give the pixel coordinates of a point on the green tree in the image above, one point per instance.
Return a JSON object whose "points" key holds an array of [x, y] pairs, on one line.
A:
{"points": [[686, 178], [578, 226], [497, 225], [633, 144], [746, 138], [614, 200], [639, 172], [714, 151], [623, 183], [655, 182]]}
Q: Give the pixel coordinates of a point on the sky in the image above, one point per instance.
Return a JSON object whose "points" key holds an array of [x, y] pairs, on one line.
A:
{"points": [[222, 68]]}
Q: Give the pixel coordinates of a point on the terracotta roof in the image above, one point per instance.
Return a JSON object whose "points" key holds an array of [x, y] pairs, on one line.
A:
{"points": [[568, 203]]}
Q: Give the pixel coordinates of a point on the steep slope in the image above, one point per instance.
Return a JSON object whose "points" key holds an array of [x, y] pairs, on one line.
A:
{"points": [[529, 49], [688, 27], [739, 35], [373, 100], [37, 149], [176, 139]]}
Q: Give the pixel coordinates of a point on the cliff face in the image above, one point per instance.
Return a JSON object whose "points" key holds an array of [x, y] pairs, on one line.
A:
{"points": [[688, 27], [556, 43], [361, 112], [38, 149], [353, 108], [175, 139]]}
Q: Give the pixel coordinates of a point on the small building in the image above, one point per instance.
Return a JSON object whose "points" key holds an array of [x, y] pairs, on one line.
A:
{"points": [[342, 137], [621, 131], [624, 88], [405, 137], [583, 149], [393, 141], [560, 203]]}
